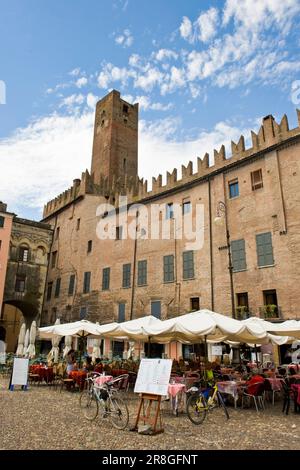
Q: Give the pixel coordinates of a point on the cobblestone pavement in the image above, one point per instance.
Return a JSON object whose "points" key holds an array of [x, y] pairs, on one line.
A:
{"points": [[44, 418]]}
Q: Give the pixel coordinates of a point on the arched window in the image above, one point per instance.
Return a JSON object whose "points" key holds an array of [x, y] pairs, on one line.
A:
{"points": [[24, 253]]}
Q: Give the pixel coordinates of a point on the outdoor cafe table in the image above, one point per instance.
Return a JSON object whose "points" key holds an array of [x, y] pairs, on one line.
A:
{"points": [[79, 377], [44, 372], [231, 387], [275, 383], [177, 396]]}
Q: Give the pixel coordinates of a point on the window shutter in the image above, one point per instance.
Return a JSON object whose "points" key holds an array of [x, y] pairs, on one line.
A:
{"points": [[71, 284], [264, 249], [156, 308], [188, 264], [121, 313], [238, 255]]}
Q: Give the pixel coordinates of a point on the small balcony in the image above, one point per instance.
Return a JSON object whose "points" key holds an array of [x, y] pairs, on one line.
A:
{"points": [[270, 312], [242, 312]]}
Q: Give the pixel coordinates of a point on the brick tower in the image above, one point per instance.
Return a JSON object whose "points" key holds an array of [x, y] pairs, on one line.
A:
{"points": [[115, 145]]}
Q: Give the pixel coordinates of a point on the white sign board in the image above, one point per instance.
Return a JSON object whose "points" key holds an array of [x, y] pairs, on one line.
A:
{"points": [[216, 350], [20, 371], [153, 376]]}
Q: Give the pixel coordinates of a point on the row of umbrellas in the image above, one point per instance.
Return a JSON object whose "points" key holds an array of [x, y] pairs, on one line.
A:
{"points": [[188, 328], [26, 341]]}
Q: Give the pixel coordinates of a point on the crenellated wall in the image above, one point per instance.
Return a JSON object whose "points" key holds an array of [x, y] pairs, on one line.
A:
{"points": [[270, 133]]}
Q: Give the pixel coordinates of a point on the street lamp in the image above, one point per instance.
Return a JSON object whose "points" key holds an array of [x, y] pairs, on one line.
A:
{"points": [[222, 212]]}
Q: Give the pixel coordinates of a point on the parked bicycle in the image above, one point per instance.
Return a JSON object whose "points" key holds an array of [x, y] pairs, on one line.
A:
{"points": [[201, 401], [105, 401]]}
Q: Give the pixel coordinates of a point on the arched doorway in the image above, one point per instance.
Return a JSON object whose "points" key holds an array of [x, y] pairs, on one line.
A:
{"points": [[14, 314]]}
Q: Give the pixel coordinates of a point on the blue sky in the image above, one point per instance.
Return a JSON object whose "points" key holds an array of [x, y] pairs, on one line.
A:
{"points": [[203, 72]]}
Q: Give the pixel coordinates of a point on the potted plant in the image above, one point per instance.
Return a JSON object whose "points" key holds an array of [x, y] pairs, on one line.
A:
{"points": [[242, 312], [271, 311]]}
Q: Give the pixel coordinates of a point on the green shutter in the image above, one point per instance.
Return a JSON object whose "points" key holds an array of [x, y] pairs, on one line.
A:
{"points": [[71, 284], [188, 264], [169, 268], [264, 249], [126, 275], [105, 278], [238, 255], [142, 273]]}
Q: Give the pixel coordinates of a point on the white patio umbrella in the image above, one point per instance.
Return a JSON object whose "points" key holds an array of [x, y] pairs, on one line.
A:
{"points": [[136, 329], [26, 342], [21, 339], [32, 336], [68, 345], [288, 328], [80, 328], [54, 352], [212, 326]]}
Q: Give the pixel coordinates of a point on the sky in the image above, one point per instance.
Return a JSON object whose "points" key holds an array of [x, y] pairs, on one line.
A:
{"points": [[203, 72]]}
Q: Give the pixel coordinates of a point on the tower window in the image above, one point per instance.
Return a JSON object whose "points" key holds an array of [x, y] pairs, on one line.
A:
{"points": [[125, 109], [90, 245]]}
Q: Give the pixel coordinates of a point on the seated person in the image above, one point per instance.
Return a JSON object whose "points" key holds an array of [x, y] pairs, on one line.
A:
{"points": [[253, 383], [71, 361], [209, 374], [87, 366]]}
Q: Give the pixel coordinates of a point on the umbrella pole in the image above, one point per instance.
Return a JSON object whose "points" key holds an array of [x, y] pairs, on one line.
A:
{"points": [[149, 346], [205, 362], [256, 356]]}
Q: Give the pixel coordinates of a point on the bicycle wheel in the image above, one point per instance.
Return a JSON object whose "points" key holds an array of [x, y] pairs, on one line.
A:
{"points": [[88, 404], [118, 412], [196, 408], [221, 402]]}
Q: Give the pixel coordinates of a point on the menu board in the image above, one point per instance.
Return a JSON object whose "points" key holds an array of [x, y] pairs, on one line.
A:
{"points": [[216, 350], [20, 371], [153, 376]]}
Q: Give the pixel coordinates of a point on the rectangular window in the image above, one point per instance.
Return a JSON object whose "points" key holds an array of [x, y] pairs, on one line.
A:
{"points": [[49, 290], [71, 284], [20, 284], [270, 297], [105, 278], [233, 189], [119, 233], [242, 299], [169, 268], [23, 254], [156, 308], [195, 304], [86, 282], [256, 180], [83, 313], [57, 233], [90, 245], [188, 264], [57, 287], [169, 211], [121, 312], [264, 249], [2, 221], [54, 258], [78, 224], [142, 273], [238, 253], [186, 207], [126, 275]]}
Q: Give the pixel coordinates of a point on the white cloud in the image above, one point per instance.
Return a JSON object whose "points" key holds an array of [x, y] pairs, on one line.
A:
{"points": [[125, 39], [175, 79], [75, 72], [42, 159], [91, 100], [82, 81], [163, 54], [207, 24], [145, 104], [72, 100], [186, 29], [147, 81]]}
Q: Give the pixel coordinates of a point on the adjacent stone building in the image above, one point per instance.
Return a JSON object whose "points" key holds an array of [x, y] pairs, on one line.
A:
{"points": [[29, 248], [246, 264]]}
